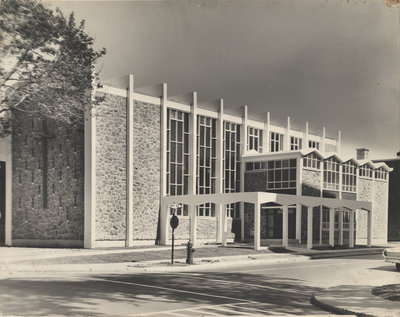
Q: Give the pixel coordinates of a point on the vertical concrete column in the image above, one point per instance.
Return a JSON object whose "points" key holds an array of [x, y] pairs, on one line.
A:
{"points": [[340, 226], [219, 208], [257, 229], [331, 227], [193, 146], [309, 227], [369, 229], [193, 167], [164, 123], [266, 133], [320, 224], [242, 167], [285, 226], [340, 180], [299, 182], [90, 180], [306, 137], [224, 231], [351, 230], [323, 139], [164, 212], [298, 223], [193, 224], [129, 165], [286, 142], [339, 142]]}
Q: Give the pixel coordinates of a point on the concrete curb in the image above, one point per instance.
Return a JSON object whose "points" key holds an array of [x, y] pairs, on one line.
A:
{"points": [[335, 309], [344, 253]]}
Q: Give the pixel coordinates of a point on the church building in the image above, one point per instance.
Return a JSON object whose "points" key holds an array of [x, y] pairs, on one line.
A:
{"points": [[228, 175]]}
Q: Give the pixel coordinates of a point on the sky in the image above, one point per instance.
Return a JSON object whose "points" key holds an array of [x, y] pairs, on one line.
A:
{"points": [[331, 63]]}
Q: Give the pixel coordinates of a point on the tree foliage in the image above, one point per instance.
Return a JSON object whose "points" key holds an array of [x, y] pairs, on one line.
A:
{"points": [[47, 64]]}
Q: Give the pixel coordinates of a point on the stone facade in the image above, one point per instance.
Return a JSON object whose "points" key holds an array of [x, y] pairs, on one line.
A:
{"points": [[379, 207], [47, 182], [207, 228], [375, 191], [365, 188], [147, 169], [248, 220], [311, 183], [183, 230], [111, 169]]}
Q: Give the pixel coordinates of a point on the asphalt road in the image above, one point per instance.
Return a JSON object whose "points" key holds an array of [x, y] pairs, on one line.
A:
{"points": [[276, 289]]}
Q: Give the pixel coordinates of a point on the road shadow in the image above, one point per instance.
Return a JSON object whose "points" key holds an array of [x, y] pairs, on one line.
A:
{"points": [[386, 268], [125, 294]]}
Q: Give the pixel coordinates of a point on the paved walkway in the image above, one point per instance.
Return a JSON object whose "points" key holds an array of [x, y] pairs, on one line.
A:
{"points": [[59, 260]]}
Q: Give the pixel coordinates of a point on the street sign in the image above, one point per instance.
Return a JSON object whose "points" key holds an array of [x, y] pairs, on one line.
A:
{"points": [[174, 222]]}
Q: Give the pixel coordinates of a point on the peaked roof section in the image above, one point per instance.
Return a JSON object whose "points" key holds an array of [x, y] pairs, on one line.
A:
{"points": [[322, 155]]}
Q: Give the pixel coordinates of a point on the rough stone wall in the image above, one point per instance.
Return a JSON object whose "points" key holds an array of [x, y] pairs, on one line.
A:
{"points": [[47, 180], [365, 187], [311, 183], [255, 181], [207, 228], [147, 169], [248, 220], [111, 169], [183, 230], [380, 209]]}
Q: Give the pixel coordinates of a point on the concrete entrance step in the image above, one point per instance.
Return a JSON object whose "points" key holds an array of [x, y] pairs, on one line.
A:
{"points": [[335, 253]]}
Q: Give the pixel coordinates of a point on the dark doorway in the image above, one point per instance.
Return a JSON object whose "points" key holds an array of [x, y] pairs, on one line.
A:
{"points": [[274, 223], [2, 202]]}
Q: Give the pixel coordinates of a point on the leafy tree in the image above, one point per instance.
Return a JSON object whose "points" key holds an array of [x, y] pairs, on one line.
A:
{"points": [[47, 64]]}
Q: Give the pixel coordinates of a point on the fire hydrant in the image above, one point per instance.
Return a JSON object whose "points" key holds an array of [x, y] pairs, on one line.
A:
{"points": [[189, 253]]}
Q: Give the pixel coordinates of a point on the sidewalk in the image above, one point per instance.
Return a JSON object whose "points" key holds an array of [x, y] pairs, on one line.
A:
{"points": [[154, 259], [357, 300]]}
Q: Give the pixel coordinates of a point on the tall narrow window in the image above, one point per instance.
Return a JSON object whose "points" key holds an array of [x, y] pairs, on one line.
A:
{"points": [[296, 143], [232, 163], [276, 142], [349, 177], [206, 162], [331, 174], [254, 139], [177, 152]]}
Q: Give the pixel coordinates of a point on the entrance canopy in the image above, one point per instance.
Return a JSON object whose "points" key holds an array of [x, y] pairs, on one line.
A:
{"points": [[263, 197], [257, 199]]}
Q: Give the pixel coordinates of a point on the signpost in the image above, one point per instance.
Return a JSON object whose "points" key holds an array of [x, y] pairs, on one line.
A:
{"points": [[174, 222]]}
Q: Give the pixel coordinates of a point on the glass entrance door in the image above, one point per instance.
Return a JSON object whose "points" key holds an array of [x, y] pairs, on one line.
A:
{"points": [[274, 223]]}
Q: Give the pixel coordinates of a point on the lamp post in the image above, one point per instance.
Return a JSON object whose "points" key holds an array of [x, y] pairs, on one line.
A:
{"points": [[174, 222]]}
